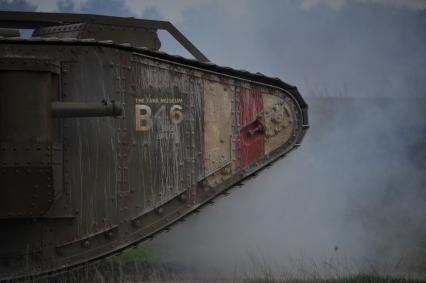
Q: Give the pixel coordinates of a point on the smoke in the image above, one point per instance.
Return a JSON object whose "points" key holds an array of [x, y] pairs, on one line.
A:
{"points": [[16, 5], [352, 198], [336, 5]]}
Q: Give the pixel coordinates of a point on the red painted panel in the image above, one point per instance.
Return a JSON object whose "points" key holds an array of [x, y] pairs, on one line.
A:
{"points": [[252, 138]]}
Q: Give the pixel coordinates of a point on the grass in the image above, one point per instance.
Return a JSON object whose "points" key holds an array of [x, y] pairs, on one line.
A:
{"points": [[144, 252], [349, 279], [144, 273], [144, 264]]}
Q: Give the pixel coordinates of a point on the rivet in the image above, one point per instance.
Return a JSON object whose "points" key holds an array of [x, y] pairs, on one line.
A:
{"points": [[85, 244], [59, 251], [159, 211], [109, 235]]}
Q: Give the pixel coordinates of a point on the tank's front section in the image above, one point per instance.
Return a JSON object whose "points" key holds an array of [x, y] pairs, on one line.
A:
{"points": [[80, 187]]}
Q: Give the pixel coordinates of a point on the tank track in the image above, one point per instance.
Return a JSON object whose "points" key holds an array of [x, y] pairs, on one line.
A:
{"points": [[258, 78], [167, 228]]}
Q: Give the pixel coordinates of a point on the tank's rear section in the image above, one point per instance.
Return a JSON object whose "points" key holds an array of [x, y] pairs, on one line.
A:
{"points": [[103, 145]]}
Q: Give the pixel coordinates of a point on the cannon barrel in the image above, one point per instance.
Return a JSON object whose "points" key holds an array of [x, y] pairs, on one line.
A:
{"points": [[9, 32], [82, 109]]}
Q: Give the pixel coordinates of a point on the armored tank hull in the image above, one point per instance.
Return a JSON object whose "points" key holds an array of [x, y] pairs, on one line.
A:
{"points": [[104, 144]]}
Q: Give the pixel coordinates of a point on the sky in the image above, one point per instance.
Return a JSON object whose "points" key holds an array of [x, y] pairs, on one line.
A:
{"points": [[352, 197], [368, 47]]}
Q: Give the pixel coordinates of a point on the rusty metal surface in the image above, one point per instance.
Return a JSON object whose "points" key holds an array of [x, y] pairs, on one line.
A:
{"points": [[25, 140], [7, 32], [35, 20], [218, 134], [252, 130], [189, 131], [91, 109], [136, 36], [279, 120]]}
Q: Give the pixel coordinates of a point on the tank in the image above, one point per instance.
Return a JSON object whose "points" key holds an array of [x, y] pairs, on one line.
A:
{"points": [[106, 141]]}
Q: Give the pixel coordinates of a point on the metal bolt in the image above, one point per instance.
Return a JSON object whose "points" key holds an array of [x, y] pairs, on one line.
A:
{"points": [[159, 211]]}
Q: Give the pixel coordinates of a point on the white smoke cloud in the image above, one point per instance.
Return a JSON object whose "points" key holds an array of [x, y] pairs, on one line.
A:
{"points": [[171, 10], [52, 5], [409, 4], [337, 5], [358, 194], [174, 11]]}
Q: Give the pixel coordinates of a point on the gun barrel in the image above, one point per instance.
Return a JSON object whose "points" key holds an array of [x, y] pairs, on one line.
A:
{"points": [[82, 109]]}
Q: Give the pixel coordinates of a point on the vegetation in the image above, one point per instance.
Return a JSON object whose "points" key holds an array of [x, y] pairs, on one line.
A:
{"points": [[350, 279], [145, 252]]}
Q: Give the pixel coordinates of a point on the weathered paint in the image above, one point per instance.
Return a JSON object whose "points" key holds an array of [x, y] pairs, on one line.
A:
{"points": [[167, 154], [219, 118], [184, 137], [279, 121], [251, 146], [218, 126]]}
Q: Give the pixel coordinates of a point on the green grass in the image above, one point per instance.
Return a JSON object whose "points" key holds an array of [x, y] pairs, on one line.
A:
{"points": [[145, 252], [350, 279]]}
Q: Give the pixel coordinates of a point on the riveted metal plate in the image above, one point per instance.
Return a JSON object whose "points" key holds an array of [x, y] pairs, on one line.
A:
{"points": [[64, 31], [25, 154], [166, 129], [29, 64], [92, 241], [279, 121], [218, 126], [251, 146], [34, 199], [165, 180]]}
